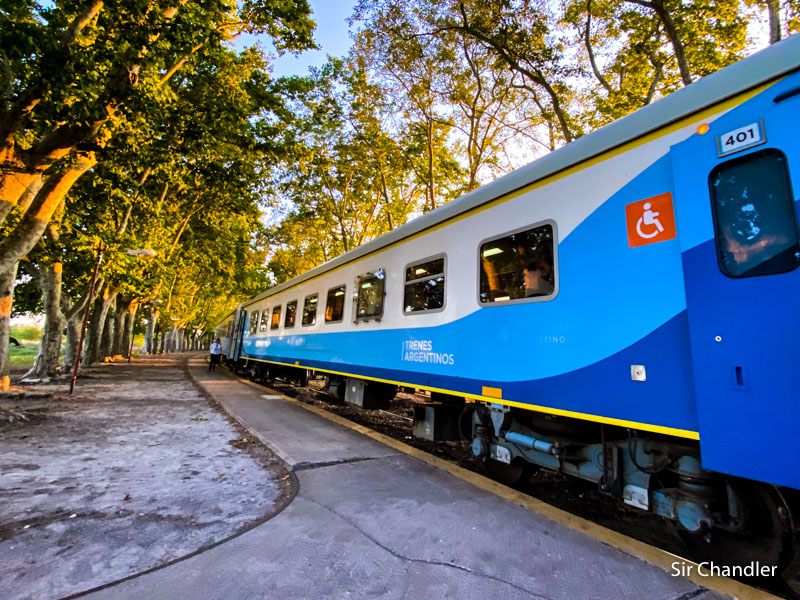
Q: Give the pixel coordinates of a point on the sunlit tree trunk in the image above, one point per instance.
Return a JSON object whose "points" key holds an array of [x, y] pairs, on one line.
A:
{"points": [[6, 299], [47, 200]]}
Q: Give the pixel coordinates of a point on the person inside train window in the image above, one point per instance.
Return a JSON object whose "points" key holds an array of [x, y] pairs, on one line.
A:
{"points": [[424, 287], [276, 317], [291, 311], [754, 217], [264, 317], [369, 303], [310, 310], [518, 266], [537, 276], [334, 307]]}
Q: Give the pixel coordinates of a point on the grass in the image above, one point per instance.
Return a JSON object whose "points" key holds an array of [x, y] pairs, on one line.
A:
{"points": [[29, 332], [22, 357]]}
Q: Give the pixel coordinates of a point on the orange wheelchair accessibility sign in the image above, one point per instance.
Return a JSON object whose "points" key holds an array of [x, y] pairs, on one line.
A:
{"points": [[651, 220]]}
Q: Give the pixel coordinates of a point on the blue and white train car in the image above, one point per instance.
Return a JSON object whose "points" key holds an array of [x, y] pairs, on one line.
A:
{"points": [[625, 309]]}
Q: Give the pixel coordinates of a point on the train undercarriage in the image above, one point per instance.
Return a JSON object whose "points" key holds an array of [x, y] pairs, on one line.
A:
{"points": [[721, 519]]}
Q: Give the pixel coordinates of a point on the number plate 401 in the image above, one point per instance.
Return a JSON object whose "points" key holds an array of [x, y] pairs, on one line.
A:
{"points": [[741, 138]]}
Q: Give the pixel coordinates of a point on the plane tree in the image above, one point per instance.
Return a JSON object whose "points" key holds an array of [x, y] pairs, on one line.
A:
{"points": [[74, 72]]}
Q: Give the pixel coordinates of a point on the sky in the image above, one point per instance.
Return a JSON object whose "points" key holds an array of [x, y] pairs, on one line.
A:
{"points": [[331, 35]]}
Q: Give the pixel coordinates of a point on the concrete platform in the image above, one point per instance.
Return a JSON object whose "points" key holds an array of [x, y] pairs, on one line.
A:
{"points": [[370, 521]]}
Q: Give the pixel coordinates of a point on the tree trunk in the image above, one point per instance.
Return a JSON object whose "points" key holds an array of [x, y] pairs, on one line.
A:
{"points": [[94, 333], [46, 364], [107, 339], [120, 310], [71, 347], [128, 326], [22, 238], [149, 345], [161, 346], [774, 12], [7, 280]]}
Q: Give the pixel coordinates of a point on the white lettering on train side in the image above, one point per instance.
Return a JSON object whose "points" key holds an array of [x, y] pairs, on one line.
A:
{"points": [[421, 351]]}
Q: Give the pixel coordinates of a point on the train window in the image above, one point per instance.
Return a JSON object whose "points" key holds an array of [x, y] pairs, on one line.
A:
{"points": [[518, 266], [291, 311], [253, 322], [276, 317], [754, 219], [264, 317], [369, 298], [424, 286], [334, 307], [310, 309]]}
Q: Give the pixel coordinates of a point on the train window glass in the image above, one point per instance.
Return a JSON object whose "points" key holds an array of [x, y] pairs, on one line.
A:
{"points": [[310, 309], [253, 322], [424, 286], [334, 307], [291, 312], [264, 317], [518, 266], [754, 218], [276, 317], [370, 293]]}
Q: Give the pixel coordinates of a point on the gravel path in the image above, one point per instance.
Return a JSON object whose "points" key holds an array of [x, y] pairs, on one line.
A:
{"points": [[136, 470]]}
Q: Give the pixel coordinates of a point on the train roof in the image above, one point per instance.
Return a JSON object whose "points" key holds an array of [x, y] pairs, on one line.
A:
{"points": [[766, 65]]}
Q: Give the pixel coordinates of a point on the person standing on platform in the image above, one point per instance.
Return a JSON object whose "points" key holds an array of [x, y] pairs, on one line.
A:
{"points": [[216, 352]]}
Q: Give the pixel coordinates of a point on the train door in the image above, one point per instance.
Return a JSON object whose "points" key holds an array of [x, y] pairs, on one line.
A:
{"points": [[738, 224], [238, 335]]}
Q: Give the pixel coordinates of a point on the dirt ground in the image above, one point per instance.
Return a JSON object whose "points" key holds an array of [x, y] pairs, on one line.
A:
{"points": [[135, 470]]}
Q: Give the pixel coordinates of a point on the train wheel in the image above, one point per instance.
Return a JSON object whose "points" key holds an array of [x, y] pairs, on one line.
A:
{"points": [[766, 537], [514, 475]]}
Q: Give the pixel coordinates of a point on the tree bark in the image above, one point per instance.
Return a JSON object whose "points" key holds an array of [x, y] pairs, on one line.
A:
{"points": [[73, 316], [107, 338], [128, 329], [17, 192], [45, 366], [774, 12], [94, 333], [120, 312], [149, 345], [71, 347], [22, 238], [7, 280]]}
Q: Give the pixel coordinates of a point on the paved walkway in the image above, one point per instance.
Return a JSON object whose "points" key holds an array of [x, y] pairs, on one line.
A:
{"points": [[370, 521]]}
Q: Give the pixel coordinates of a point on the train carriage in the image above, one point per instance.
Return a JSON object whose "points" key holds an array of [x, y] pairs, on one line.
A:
{"points": [[623, 310]]}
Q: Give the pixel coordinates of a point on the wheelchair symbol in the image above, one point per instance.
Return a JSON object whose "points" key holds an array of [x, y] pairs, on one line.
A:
{"points": [[650, 218]]}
